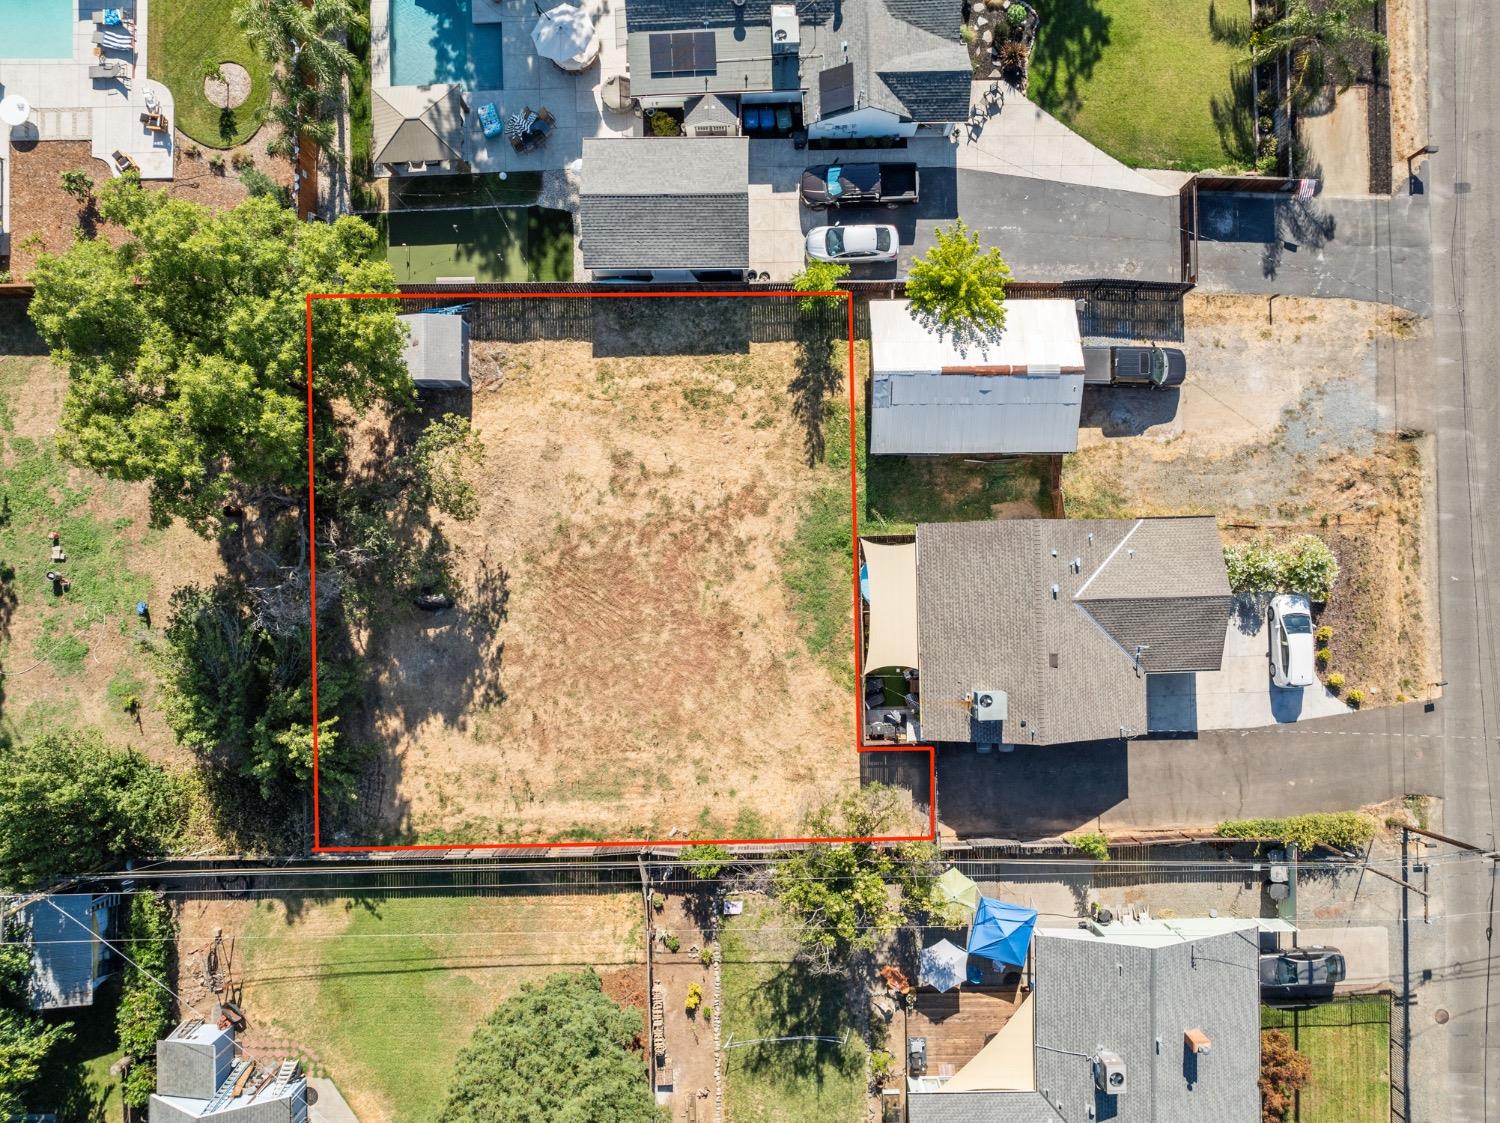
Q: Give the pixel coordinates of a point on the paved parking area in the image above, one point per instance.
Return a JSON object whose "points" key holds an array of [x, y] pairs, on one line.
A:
{"points": [[1240, 694]]}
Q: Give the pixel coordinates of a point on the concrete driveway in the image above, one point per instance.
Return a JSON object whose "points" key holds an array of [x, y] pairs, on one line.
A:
{"points": [[1239, 695]]}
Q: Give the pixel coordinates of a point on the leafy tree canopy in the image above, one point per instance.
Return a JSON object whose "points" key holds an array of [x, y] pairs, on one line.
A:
{"points": [[25, 1039], [144, 1015], [70, 803], [557, 1052], [1332, 39], [846, 895], [957, 289], [187, 347]]}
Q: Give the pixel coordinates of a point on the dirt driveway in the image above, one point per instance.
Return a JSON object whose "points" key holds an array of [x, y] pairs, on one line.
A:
{"points": [[624, 661], [1284, 428]]}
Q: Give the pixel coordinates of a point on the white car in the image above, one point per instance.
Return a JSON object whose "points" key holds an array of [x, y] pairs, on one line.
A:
{"points": [[853, 243], [1291, 641]]}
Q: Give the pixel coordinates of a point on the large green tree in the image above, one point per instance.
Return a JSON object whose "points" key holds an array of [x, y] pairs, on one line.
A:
{"points": [[187, 348], [144, 1015], [307, 46], [558, 1052], [845, 896], [25, 1039], [70, 803], [958, 289], [1334, 40]]}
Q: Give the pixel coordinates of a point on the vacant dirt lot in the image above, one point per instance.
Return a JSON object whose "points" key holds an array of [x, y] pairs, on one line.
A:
{"points": [[623, 661], [1283, 428]]}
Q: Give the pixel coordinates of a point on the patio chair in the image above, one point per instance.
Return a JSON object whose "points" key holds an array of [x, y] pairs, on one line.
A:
{"points": [[112, 68], [154, 122], [115, 40], [123, 162]]}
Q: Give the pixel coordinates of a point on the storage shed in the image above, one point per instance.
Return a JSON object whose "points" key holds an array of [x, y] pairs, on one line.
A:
{"points": [[437, 354]]}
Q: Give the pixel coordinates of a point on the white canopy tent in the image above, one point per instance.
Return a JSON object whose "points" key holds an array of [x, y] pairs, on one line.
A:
{"points": [[891, 590]]}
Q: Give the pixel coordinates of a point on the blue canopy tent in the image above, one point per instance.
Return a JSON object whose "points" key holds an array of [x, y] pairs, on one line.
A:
{"points": [[1001, 932]]}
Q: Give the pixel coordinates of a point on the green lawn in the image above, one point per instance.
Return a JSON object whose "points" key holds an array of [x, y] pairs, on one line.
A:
{"points": [[76, 1085], [766, 995], [901, 491], [188, 37], [486, 243], [381, 994], [1151, 82], [1348, 1043]]}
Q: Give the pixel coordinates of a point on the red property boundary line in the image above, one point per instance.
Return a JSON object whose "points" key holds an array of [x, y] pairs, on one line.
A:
{"points": [[859, 745]]}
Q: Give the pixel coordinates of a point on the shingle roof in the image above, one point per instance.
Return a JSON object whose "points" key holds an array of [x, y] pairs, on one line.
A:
{"points": [[988, 620], [909, 55], [674, 15], [665, 204], [980, 1107], [930, 95], [417, 124]]}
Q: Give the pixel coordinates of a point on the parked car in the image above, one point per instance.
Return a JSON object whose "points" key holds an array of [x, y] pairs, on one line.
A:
{"points": [[856, 185], [1160, 367], [853, 243], [1292, 641], [1301, 974]]}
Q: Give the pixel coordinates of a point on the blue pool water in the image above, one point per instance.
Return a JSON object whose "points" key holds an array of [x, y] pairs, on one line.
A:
{"points": [[37, 28], [438, 41]]}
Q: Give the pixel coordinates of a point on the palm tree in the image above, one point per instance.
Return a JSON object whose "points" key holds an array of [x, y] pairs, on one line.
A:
{"points": [[1333, 36], [306, 45]]}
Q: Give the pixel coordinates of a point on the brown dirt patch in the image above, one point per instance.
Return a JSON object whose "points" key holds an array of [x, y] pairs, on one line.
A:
{"points": [[1406, 33], [1282, 430], [624, 661], [232, 92]]}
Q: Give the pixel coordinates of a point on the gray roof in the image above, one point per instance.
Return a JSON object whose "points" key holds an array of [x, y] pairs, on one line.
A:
{"points": [[65, 951], [987, 620], [437, 354], [1092, 992], [710, 109], [930, 414], [1137, 1000], [665, 203], [417, 124], [907, 53]]}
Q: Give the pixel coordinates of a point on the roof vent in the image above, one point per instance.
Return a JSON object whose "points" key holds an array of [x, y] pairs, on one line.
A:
{"points": [[1054, 591]]}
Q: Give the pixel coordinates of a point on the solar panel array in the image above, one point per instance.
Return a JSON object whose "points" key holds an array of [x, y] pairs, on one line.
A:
{"points": [[683, 54], [836, 89]]}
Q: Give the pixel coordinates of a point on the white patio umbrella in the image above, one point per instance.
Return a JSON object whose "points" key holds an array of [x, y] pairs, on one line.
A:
{"points": [[566, 36], [14, 109], [943, 965]]}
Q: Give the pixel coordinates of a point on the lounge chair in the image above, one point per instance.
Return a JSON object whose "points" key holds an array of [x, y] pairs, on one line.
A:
{"points": [[115, 40], [124, 17], [489, 119], [123, 163], [113, 68]]}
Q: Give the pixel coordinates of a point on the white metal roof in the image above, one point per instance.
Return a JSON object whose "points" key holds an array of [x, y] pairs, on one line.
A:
{"points": [[1040, 336]]}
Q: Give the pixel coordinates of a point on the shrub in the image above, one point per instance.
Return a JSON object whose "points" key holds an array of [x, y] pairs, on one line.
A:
{"points": [[818, 276], [1323, 635], [1253, 567], [259, 184], [658, 902], [1308, 566], [1283, 1071], [145, 1012], [706, 862], [77, 184], [672, 942], [706, 954], [1324, 656], [241, 160], [1015, 15], [216, 162], [694, 998], [1095, 845], [966, 33], [1356, 698], [1339, 830], [664, 124], [881, 1064], [1013, 58], [1334, 682]]}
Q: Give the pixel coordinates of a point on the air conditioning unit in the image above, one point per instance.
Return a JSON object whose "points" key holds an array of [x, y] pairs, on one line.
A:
{"points": [[1109, 1072], [987, 705], [786, 29]]}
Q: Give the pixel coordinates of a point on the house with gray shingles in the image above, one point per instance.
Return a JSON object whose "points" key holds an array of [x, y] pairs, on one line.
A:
{"points": [[70, 958], [652, 204], [1040, 631], [1151, 1021], [200, 1076], [838, 69]]}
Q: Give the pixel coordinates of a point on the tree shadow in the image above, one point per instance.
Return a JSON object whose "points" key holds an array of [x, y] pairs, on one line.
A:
{"points": [[1231, 30], [624, 328], [816, 378], [228, 125], [1233, 116], [1073, 37], [799, 1003], [1298, 224]]}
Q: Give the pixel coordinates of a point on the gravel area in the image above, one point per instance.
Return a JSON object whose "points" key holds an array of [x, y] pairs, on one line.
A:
{"points": [[233, 91]]}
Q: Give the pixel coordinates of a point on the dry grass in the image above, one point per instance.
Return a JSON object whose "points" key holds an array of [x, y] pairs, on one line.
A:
{"points": [[624, 660]]}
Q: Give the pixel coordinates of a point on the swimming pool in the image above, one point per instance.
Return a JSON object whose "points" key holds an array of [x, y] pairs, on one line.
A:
{"points": [[37, 28], [438, 41]]}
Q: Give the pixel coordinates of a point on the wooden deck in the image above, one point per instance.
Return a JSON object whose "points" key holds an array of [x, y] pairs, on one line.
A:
{"points": [[959, 1023]]}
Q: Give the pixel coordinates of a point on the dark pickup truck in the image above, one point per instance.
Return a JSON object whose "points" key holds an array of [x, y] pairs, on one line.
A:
{"points": [[859, 185], [1161, 367]]}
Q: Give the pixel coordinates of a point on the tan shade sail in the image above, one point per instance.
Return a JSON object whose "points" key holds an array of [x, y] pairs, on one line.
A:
{"points": [[891, 581], [1007, 1063]]}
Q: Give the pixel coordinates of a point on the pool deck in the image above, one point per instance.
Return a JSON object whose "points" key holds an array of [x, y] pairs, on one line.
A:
{"points": [[531, 82], [69, 105]]}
